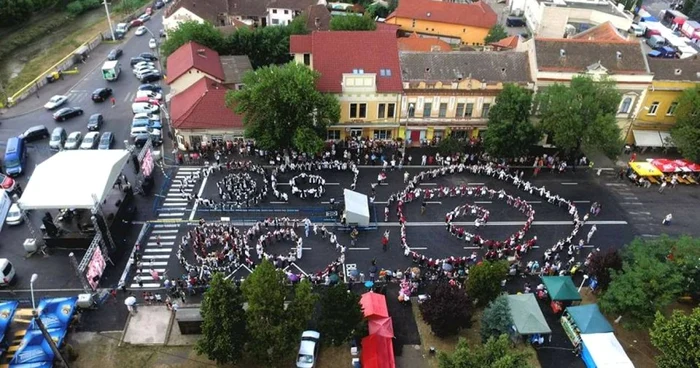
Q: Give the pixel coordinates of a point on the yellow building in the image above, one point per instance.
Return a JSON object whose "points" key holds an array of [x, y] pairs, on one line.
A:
{"points": [[456, 23], [657, 111], [452, 93], [361, 68]]}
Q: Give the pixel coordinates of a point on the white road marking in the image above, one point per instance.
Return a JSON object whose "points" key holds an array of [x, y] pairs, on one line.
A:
{"points": [[155, 244], [640, 213], [127, 97], [433, 202], [582, 201], [201, 190], [165, 231], [166, 225], [633, 203], [145, 270], [615, 184], [158, 256], [503, 223], [273, 203], [475, 183], [146, 286], [533, 202], [483, 202], [175, 198], [418, 248], [171, 204], [173, 214], [157, 250], [164, 237], [428, 183], [358, 248], [569, 183]]}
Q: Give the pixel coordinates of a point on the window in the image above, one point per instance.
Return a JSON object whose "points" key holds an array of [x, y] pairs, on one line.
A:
{"points": [[485, 110], [390, 110], [413, 24], [672, 109], [382, 134], [652, 109], [355, 133], [443, 110], [386, 110], [411, 110], [625, 106], [286, 11], [333, 134], [385, 72], [358, 111], [460, 110], [307, 59], [274, 11], [382, 111], [427, 108], [470, 110], [275, 21]]}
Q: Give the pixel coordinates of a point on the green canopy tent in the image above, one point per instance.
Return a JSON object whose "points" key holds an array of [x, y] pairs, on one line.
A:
{"points": [[561, 288], [527, 315], [588, 319]]}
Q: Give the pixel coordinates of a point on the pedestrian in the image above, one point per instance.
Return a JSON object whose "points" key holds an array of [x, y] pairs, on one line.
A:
{"points": [[158, 243], [590, 234], [114, 101], [113, 294], [663, 186], [423, 160], [385, 243], [422, 207], [667, 220], [139, 280]]}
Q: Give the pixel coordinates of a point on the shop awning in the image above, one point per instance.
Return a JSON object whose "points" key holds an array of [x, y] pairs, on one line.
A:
{"points": [[645, 169], [527, 315], [666, 166], [374, 305], [602, 350], [588, 319], [561, 288], [647, 138], [666, 139]]}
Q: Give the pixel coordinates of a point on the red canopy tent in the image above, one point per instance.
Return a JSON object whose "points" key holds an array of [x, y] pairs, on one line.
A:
{"points": [[689, 165], [377, 352], [382, 327], [665, 165], [374, 305]]}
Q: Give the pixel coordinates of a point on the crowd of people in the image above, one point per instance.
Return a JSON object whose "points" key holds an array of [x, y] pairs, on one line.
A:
{"points": [[316, 183]]}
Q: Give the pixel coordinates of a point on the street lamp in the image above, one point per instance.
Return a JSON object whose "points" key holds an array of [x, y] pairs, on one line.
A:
{"points": [[585, 277], [109, 20], [31, 287]]}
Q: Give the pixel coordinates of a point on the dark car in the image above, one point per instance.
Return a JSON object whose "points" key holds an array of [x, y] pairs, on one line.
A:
{"points": [[159, 4], [148, 56], [101, 94], [515, 22], [106, 141], [151, 87], [95, 122], [150, 77], [67, 113], [135, 23], [35, 133], [114, 54], [136, 60]]}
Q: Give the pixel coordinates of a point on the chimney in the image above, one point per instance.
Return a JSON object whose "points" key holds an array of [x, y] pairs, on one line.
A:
{"points": [[562, 53], [618, 55], [677, 72], [317, 22], [202, 53]]}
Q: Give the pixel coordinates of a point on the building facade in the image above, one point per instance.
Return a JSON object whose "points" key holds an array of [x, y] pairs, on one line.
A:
{"points": [[452, 93]]}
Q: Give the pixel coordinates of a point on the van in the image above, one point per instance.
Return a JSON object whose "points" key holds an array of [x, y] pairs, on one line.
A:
{"points": [[15, 156], [515, 22], [8, 272], [144, 107], [637, 30], [656, 41]]}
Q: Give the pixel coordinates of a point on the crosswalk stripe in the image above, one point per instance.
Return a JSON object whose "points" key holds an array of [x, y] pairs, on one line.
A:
{"points": [[163, 237], [146, 271], [159, 256], [158, 250], [175, 199], [189, 169], [165, 231], [167, 225], [145, 286], [127, 97], [166, 214], [166, 244], [175, 204], [146, 263]]}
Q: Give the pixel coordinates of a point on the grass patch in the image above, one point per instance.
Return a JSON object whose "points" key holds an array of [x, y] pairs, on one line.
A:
{"points": [[448, 345], [25, 35]]}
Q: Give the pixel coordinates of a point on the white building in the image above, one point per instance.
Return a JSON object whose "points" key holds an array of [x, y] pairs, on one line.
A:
{"points": [[282, 12]]}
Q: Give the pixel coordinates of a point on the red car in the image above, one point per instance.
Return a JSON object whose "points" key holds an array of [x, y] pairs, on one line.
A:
{"points": [[7, 183], [152, 101], [136, 23]]}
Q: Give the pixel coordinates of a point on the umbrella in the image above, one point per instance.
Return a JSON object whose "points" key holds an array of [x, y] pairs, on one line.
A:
{"points": [[334, 277], [447, 267], [293, 277], [354, 273], [130, 301], [369, 284], [416, 271], [373, 269]]}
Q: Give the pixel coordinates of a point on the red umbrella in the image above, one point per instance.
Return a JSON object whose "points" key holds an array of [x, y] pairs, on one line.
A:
{"points": [[665, 166], [691, 166]]}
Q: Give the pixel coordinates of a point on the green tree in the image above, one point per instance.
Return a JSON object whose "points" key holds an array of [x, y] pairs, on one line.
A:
{"points": [[263, 45], [510, 132], [265, 292], [581, 115], [340, 315], [688, 5], [75, 8], [450, 145], [353, 23], [496, 319], [496, 33], [602, 264], [14, 12], [447, 311], [203, 33], [377, 9], [495, 353], [686, 132], [694, 13], [298, 25], [484, 281], [300, 310], [654, 274], [224, 322], [677, 338], [283, 109]]}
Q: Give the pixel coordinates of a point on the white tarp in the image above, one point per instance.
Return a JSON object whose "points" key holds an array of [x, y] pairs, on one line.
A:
{"points": [[70, 178], [647, 138], [356, 208], [606, 351]]}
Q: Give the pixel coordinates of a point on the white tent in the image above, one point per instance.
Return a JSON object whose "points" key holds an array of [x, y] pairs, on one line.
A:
{"points": [[602, 350], [356, 208], [69, 179]]}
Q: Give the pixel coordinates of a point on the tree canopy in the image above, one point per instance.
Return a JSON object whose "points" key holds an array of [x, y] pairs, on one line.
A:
{"points": [[484, 281], [510, 132], [686, 132], [496, 33], [283, 109], [654, 274], [581, 115], [495, 353], [224, 323], [677, 338], [204, 34], [447, 310], [496, 319], [340, 314], [602, 264], [353, 23]]}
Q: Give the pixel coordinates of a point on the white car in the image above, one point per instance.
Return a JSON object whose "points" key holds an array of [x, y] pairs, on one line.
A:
{"points": [[14, 215], [152, 43], [149, 94], [144, 63], [308, 350], [55, 102], [142, 68], [152, 117], [73, 141], [140, 31], [90, 141]]}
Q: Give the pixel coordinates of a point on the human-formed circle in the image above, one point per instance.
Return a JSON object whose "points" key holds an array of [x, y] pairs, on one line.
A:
{"points": [[316, 182], [239, 189]]}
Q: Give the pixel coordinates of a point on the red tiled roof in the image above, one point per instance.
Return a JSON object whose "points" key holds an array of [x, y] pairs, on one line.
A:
{"points": [[193, 55], [477, 14], [602, 32], [510, 42], [382, 26], [425, 44], [202, 106], [335, 53], [300, 44]]}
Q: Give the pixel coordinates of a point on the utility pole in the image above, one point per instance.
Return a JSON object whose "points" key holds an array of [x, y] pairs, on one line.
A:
{"points": [[49, 339], [109, 20]]}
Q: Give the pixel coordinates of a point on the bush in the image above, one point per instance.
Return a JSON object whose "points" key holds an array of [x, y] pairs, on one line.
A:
{"points": [[90, 4], [129, 6], [447, 310], [75, 8]]}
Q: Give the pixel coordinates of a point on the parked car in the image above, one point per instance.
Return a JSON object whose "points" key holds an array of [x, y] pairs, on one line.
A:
{"points": [[140, 70], [55, 102], [136, 60], [95, 122], [67, 113], [152, 43], [122, 28], [308, 349], [140, 31], [149, 11], [159, 4], [114, 54], [35, 133], [90, 141], [151, 117], [106, 141], [149, 94], [515, 22], [58, 138], [14, 215], [73, 141], [7, 183], [144, 107], [155, 136], [136, 23], [144, 63], [148, 55], [101, 94], [150, 77], [145, 17], [151, 87], [146, 99]]}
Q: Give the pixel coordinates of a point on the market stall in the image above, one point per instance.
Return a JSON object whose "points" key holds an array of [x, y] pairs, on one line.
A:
{"points": [[584, 319], [645, 170], [602, 350], [561, 291], [356, 208], [527, 316], [374, 305], [382, 327], [377, 352]]}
